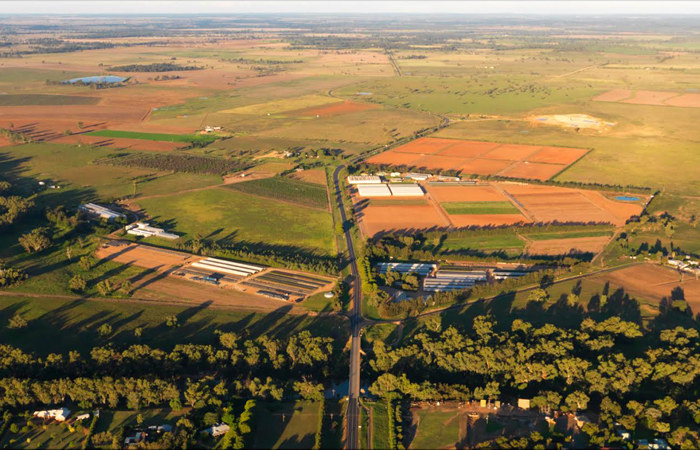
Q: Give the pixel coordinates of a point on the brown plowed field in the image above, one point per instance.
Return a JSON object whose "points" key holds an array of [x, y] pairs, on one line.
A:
{"points": [[144, 256], [478, 166], [685, 100], [377, 219], [317, 176], [511, 152], [549, 203], [535, 171], [334, 109], [469, 149], [138, 144], [554, 155], [565, 246], [482, 220], [653, 282], [465, 194], [613, 96], [481, 158], [650, 97]]}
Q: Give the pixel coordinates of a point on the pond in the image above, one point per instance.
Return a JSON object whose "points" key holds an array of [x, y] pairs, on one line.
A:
{"points": [[625, 198], [96, 79]]}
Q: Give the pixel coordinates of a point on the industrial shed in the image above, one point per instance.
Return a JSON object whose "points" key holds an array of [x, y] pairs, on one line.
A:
{"points": [[422, 269], [227, 267], [373, 190], [406, 190], [364, 179]]}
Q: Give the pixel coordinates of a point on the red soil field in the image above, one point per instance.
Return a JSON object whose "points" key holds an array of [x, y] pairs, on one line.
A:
{"points": [[377, 219], [137, 144], [511, 152], [650, 97], [334, 109], [439, 162], [685, 100], [535, 171], [484, 166], [396, 159], [564, 246], [652, 282], [555, 155], [468, 149], [613, 96], [465, 194], [144, 256], [462, 220], [425, 145]]}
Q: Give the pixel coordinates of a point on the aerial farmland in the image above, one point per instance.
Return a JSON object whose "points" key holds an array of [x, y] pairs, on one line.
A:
{"points": [[272, 230]]}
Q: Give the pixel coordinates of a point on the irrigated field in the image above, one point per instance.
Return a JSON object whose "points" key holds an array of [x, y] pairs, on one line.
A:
{"points": [[286, 189], [481, 158]]}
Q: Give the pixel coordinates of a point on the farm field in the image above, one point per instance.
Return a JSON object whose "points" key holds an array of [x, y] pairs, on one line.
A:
{"points": [[155, 136], [56, 323], [225, 214], [285, 425], [659, 98], [481, 158], [286, 189]]}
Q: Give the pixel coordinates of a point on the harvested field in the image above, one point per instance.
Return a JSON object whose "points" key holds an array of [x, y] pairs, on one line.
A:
{"points": [[143, 256], [316, 176], [567, 246], [465, 193], [613, 96], [135, 144], [548, 204], [652, 282], [650, 97], [377, 219], [334, 109], [283, 105], [535, 171], [482, 158], [685, 100]]}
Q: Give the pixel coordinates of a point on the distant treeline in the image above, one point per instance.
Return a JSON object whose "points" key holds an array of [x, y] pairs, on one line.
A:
{"points": [[155, 67]]}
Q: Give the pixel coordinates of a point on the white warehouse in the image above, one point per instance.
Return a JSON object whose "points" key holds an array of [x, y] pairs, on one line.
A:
{"points": [[364, 179], [145, 230], [373, 190], [406, 190], [100, 211], [227, 267]]}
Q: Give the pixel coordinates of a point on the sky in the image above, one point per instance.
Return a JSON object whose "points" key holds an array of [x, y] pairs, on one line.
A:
{"points": [[347, 7]]}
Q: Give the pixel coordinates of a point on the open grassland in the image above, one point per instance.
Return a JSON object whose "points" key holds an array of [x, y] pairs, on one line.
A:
{"points": [[287, 190], [380, 424], [509, 242], [457, 208], [57, 324], [225, 214], [285, 425], [200, 138], [71, 168], [435, 428]]}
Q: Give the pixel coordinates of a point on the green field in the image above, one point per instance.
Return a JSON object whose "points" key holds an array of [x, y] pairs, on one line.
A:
{"points": [[380, 424], [567, 235], [57, 325], [155, 136], [225, 214], [484, 243], [436, 428], [285, 425], [455, 208], [45, 100], [287, 190]]}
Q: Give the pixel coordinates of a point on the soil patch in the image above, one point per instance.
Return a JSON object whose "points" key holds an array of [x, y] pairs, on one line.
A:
{"points": [[568, 246], [614, 96], [465, 194], [335, 109]]}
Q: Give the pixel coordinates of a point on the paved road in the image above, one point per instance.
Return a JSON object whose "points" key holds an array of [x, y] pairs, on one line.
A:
{"points": [[352, 416]]}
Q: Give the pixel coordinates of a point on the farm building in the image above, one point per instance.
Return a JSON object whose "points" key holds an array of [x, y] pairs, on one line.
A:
{"points": [[406, 190], [217, 430], [364, 179], [145, 230], [95, 210], [418, 176], [373, 190], [419, 268], [227, 267], [59, 415], [463, 278]]}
